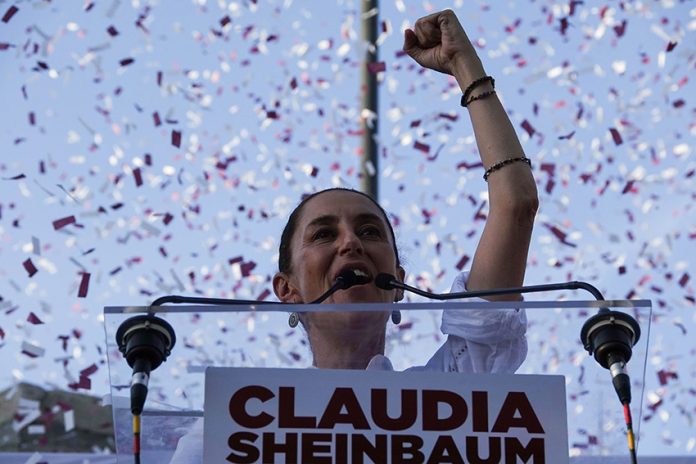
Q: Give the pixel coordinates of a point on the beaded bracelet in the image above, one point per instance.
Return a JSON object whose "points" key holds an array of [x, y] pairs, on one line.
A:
{"points": [[465, 97], [504, 163], [485, 94]]}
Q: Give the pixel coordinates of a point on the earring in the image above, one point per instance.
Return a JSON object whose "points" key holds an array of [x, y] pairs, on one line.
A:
{"points": [[396, 317], [294, 319]]}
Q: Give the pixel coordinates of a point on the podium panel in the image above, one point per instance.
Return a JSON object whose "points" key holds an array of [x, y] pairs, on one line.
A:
{"points": [[258, 336]]}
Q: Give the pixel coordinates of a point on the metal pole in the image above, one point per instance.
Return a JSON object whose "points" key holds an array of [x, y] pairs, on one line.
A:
{"points": [[369, 168]]}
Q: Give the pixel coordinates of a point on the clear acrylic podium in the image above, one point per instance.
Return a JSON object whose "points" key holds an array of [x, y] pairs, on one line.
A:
{"points": [[259, 336]]}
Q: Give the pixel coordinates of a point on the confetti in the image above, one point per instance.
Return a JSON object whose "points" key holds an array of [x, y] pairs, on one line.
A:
{"points": [[60, 223], [176, 139], [9, 14], [84, 285], [29, 267]]}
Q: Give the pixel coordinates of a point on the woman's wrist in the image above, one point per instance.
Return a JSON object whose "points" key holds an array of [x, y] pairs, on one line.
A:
{"points": [[467, 69]]}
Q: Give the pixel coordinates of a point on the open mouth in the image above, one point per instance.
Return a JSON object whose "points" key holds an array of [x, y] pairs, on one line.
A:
{"points": [[362, 276]]}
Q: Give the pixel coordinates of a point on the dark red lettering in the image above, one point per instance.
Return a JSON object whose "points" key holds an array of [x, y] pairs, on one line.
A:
{"points": [[431, 418], [534, 450], [314, 443], [405, 449], [473, 455], [271, 448], [407, 417], [360, 446], [238, 403], [286, 411], [242, 442], [517, 402], [354, 415], [445, 451], [479, 411]]}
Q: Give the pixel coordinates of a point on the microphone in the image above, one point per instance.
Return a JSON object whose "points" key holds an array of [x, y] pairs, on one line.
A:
{"points": [[609, 335], [345, 279], [145, 341]]}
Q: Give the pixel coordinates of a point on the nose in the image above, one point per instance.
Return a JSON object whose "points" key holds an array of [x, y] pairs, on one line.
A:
{"points": [[350, 243]]}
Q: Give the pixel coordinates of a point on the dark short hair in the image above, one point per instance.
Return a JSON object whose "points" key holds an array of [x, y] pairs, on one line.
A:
{"points": [[285, 257]]}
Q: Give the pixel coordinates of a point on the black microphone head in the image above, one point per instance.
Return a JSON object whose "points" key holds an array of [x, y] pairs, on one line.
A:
{"points": [[348, 278], [384, 281], [145, 337]]}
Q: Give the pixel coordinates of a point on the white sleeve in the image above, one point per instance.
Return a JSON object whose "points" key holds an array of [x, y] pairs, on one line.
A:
{"points": [[189, 450], [481, 341]]}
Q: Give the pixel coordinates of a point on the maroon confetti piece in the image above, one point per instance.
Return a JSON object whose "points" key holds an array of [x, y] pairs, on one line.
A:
{"points": [[450, 117], [527, 126], [4, 45], [86, 372], [266, 292], [225, 21], [620, 29], [85, 383], [60, 223], [564, 25], [374, 68], [272, 114], [616, 136], [9, 14], [664, 376], [84, 285], [29, 266], [159, 78], [156, 119], [176, 138], [17, 177], [628, 187], [34, 319], [126, 61], [167, 219], [683, 280], [678, 103], [560, 235], [138, 177], [462, 262], [113, 32], [247, 268], [670, 46], [32, 118], [2, 334], [424, 147]]}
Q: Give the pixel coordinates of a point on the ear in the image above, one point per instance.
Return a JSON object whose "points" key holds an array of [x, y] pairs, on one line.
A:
{"points": [[401, 275], [284, 289]]}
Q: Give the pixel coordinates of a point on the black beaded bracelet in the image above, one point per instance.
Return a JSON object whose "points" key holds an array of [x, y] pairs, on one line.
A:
{"points": [[485, 94], [465, 97], [503, 163]]}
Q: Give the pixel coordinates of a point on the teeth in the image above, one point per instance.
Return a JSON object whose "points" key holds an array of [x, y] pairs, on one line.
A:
{"points": [[360, 273]]}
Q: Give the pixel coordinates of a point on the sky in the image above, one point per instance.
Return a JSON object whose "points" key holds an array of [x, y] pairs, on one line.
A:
{"points": [[156, 147]]}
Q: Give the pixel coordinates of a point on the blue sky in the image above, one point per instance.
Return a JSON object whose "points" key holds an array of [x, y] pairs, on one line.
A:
{"points": [[265, 94]]}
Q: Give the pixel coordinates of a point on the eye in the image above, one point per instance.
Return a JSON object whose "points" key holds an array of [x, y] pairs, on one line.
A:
{"points": [[370, 231], [322, 234]]}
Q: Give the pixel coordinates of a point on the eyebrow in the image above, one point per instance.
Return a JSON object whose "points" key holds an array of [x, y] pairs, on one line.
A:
{"points": [[328, 219]]}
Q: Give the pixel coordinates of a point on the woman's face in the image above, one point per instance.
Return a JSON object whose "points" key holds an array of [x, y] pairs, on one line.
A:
{"points": [[338, 230]]}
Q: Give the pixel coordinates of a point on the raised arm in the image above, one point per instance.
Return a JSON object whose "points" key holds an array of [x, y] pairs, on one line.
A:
{"points": [[439, 42]]}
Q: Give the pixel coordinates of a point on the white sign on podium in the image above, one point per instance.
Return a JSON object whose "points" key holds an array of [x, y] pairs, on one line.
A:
{"points": [[326, 416]]}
